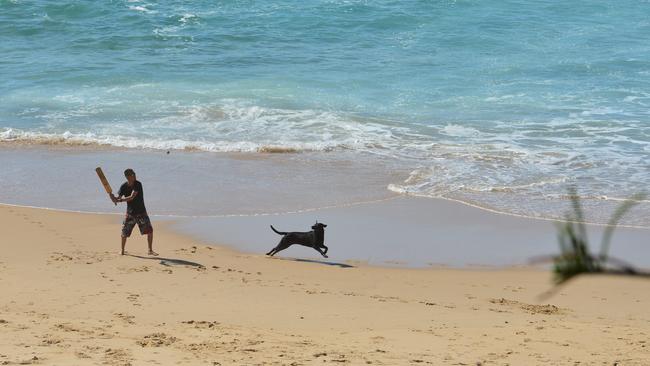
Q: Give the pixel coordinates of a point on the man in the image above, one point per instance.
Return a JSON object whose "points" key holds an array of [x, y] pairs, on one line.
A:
{"points": [[131, 193]]}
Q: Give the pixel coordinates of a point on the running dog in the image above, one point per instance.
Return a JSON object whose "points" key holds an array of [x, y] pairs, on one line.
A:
{"points": [[313, 239]]}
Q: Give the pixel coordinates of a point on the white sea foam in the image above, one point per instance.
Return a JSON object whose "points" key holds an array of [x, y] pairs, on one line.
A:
{"points": [[143, 9], [187, 17], [228, 127], [459, 131], [85, 139], [447, 160]]}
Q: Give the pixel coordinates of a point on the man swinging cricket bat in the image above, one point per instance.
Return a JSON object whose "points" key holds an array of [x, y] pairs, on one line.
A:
{"points": [[131, 192]]}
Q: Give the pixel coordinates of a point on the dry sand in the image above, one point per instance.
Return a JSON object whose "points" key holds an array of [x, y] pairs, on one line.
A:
{"points": [[68, 298]]}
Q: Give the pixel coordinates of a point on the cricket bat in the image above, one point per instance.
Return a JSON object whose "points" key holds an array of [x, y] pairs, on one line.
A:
{"points": [[102, 178]]}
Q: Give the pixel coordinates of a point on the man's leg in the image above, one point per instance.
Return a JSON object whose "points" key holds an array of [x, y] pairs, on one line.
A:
{"points": [[144, 224], [127, 228], [150, 242]]}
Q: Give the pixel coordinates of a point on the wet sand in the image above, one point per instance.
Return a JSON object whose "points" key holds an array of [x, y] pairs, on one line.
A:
{"points": [[414, 232]]}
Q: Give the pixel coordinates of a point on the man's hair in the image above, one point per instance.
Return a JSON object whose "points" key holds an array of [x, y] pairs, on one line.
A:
{"points": [[129, 172]]}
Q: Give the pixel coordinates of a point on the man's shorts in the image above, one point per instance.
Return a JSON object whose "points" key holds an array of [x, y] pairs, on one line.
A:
{"points": [[144, 224]]}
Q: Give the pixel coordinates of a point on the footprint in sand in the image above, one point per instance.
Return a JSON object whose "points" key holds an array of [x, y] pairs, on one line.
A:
{"points": [[30, 361], [59, 257], [65, 327], [133, 269], [117, 356], [82, 355], [191, 249], [102, 333], [133, 298], [431, 303], [37, 223], [201, 324], [547, 309], [386, 298], [157, 340], [79, 257], [125, 318], [49, 340]]}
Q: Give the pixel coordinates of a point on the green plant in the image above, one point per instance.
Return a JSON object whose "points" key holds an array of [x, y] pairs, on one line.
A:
{"points": [[575, 257]]}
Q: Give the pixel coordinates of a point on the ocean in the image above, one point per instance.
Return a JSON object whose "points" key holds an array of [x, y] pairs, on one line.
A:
{"points": [[501, 105]]}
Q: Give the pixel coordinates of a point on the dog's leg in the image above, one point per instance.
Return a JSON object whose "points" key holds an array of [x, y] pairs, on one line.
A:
{"points": [[282, 245], [326, 248], [277, 248], [321, 252], [274, 250]]}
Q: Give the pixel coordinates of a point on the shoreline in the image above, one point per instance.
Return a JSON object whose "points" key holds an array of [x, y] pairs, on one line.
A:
{"points": [[231, 200], [351, 204], [68, 297], [338, 166], [524, 239]]}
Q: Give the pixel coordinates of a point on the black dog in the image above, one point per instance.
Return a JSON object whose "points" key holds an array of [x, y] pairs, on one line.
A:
{"points": [[313, 239]]}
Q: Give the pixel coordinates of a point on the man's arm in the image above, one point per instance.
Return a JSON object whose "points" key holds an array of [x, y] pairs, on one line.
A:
{"points": [[129, 198], [114, 198], [119, 196], [134, 193]]}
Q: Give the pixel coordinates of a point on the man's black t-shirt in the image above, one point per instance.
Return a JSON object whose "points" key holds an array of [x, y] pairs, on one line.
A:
{"points": [[136, 205]]}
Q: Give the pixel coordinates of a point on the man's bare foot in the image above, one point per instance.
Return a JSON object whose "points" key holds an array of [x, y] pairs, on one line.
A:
{"points": [[151, 252], [122, 253]]}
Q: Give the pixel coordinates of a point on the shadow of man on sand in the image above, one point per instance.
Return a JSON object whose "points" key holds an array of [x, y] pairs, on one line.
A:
{"points": [[182, 262], [171, 261]]}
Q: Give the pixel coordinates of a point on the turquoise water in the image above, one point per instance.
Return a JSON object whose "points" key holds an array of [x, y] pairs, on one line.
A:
{"points": [[502, 104]]}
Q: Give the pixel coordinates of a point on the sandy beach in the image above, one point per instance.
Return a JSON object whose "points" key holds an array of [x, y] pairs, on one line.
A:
{"points": [[68, 298], [464, 156]]}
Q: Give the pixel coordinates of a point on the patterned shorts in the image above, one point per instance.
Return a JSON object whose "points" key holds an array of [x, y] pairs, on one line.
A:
{"points": [[144, 224]]}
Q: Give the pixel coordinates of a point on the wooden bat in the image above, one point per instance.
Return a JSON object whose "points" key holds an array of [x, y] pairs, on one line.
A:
{"points": [[102, 178]]}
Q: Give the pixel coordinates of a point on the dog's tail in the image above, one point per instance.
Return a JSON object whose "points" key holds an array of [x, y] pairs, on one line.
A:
{"points": [[278, 232]]}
